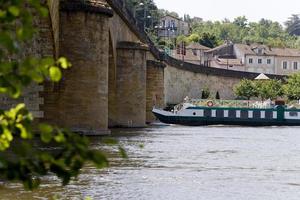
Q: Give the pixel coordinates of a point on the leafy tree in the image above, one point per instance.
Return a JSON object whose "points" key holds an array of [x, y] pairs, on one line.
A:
{"points": [[193, 38], [246, 89], [19, 160], [269, 89], [208, 40], [241, 31], [292, 87], [217, 95], [293, 25], [241, 21], [182, 38], [205, 93]]}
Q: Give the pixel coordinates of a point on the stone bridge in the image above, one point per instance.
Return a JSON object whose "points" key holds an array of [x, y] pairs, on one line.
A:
{"points": [[117, 73]]}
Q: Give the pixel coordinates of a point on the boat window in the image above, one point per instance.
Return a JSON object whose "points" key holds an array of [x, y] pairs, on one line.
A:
{"points": [[293, 114], [194, 113]]}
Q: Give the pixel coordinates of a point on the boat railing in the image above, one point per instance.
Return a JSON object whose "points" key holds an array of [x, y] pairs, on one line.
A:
{"points": [[234, 103], [230, 103]]}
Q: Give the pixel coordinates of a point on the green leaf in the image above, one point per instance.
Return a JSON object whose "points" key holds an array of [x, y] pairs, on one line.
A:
{"points": [[46, 132], [60, 137], [43, 11], [5, 68], [99, 159], [2, 13], [23, 132], [55, 73], [7, 41], [48, 61], [7, 135], [64, 63], [15, 11]]}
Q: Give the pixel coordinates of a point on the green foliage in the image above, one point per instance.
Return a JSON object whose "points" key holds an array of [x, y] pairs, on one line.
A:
{"points": [[193, 38], [182, 38], [293, 25], [265, 89], [241, 21], [292, 87], [217, 95], [246, 89], [208, 40], [19, 159], [205, 93], [241, 31], [269, 89]]}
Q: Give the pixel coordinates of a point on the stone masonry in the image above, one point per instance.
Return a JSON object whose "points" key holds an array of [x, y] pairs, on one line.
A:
{"points": [[131, 84], [181, 83], [80, 100], [155, 88]]}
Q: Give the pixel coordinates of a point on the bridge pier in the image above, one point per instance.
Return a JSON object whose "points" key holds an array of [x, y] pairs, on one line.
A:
{"points": [[80, 100], [130, 85], [155, 88]]}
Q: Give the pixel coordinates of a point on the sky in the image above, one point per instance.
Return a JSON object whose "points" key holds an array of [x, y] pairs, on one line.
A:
{"points": [[254, 10]]}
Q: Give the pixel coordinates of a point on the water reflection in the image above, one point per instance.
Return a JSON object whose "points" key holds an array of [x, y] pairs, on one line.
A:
{"points": [[180, 162]]}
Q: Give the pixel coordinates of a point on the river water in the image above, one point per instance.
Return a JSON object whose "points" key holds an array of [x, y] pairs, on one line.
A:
{"points": [[178, 162]]}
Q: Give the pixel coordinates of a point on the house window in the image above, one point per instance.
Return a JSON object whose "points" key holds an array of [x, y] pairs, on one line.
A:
{"points": [[169, 24], [284, 64], [173, 23], [268, 61], [259, 61], [163, 23], [250, 60], [295, 65]]}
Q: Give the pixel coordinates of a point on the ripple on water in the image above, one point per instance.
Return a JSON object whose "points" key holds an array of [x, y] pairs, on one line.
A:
{"points": [[178, 162]]}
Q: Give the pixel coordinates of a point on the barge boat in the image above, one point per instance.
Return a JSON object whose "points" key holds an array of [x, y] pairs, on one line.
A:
{"points": [[190, 114]]}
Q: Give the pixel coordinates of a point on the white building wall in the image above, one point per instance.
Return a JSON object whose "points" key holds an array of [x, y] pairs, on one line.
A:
{"points": [[262, 67], [290, 65]]}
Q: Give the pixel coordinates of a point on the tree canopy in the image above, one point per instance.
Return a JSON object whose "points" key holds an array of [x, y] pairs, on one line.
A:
{"points": [[241, 31], [292, 87], [246, 89], [269, 89], [293, 25]]}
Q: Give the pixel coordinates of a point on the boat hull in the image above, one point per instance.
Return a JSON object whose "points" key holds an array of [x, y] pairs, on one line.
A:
{"points": [[171, 118]]}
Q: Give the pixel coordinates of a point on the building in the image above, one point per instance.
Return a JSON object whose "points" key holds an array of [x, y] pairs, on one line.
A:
{"points": [[170, 27], [264, 59], [194, 53], [254, 58]]}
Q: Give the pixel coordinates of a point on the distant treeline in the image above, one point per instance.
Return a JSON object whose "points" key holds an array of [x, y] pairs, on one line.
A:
{"points": [[212, 34], [241, 31]]}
